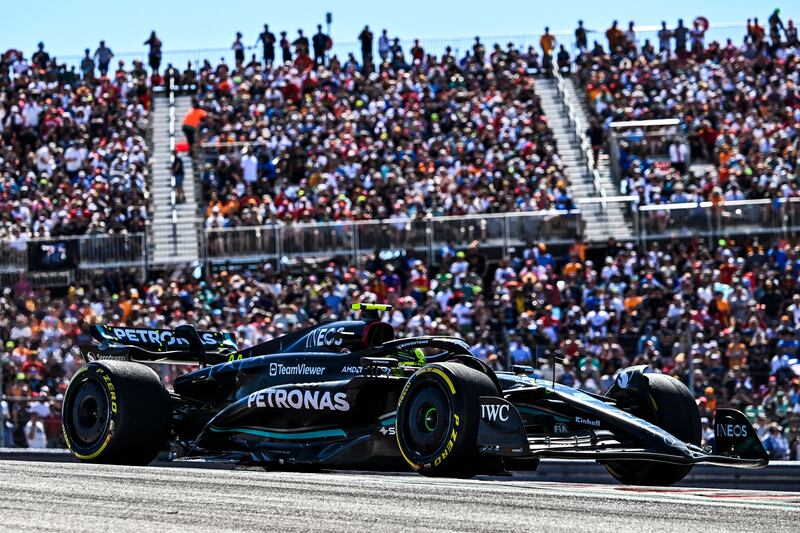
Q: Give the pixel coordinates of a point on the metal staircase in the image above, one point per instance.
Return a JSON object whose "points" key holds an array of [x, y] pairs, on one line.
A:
{"points": [[174, 231], [591, 191]]}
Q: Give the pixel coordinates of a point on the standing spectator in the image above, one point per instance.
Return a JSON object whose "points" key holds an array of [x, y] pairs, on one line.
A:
{"points": [[478, 50], [595, 133], [562, 60], [103, 56], [191, 122], [366, 47], [249, 166], [320, 42], [286, 48], [178, 173], [664, 38], [678, 154], [383, 46], [34, 432], [154, 56], [52, 427], [40, 58], [775, 27], [238, 50], [267, 39], [755, 31], [301, 44], [417, 52], [776, 444], [87, 66], [396, 52], [630, 37], [791, 33], [681, 34], [614, 36], [548, 43], [580, 37], [697, 36], [6, 422]]}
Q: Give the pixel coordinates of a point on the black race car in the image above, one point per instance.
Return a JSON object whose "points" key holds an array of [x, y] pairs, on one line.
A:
{"points": [[348, 394]]}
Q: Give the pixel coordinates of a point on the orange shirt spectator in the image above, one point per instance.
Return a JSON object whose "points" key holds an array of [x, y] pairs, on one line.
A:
{"points": [[194, 116], [548, 43], [573, 267]]}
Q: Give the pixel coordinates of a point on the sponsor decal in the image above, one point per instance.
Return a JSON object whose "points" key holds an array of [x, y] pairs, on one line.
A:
{"points": [[299, 399], [560, 428], [731, 430], [623, 379], [153, 336], [387, 431], [324, 337], [493, 412], [587, 421], [411, 344], [300, 369], [450, 443], [351, 370], [669, 440]]}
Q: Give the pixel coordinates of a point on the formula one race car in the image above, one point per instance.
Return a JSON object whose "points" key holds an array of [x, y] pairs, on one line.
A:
{"points": [[347, 394]]}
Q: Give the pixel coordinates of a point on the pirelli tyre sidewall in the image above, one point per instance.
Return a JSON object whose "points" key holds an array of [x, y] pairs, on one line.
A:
{"points": [[437, 420], [115, 412], [90, 389]]}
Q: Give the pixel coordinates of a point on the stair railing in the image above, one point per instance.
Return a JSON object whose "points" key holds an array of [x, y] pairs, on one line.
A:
{"points": [[571, 110]]}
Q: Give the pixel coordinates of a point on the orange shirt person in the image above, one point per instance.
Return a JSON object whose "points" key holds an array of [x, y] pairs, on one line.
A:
{"points": [[547, 42], [191, 122]]}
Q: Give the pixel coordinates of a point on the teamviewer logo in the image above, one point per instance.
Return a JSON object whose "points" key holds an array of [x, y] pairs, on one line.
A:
{"points": [[273, 369]]}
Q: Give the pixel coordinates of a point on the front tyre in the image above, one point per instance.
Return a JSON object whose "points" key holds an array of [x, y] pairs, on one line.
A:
{"points": [[116, 412], [437, 419], [674, 410]]}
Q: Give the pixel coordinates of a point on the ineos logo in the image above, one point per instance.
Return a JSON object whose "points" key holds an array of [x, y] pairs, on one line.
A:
{"points": [[324, 337], [493, 411], [731, 430]]}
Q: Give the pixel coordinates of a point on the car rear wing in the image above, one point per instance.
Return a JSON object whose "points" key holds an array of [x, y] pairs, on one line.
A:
{"points": [[184, 344], [161, 340]]}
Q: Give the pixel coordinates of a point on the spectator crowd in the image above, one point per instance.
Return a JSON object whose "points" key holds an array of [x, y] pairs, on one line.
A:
{"points": [[399, 135], [738, 106], [726, 319], [307, 141], [73, 156]]}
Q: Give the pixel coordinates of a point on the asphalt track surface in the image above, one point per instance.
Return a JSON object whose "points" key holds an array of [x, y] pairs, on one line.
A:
{"points": [[79, 497]]}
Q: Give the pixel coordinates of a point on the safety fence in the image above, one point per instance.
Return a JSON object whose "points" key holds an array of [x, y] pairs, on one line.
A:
{"points": [[425, 236], [53, 254], [755, 218]]}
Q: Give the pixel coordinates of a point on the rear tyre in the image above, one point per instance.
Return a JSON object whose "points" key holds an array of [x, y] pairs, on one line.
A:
{"points": [[116, 412], [437, 419], [675, 411]]}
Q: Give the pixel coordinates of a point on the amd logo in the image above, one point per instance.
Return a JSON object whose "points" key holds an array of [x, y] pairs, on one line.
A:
{"points": [[494, 411], [731, 430], [324, 337]]}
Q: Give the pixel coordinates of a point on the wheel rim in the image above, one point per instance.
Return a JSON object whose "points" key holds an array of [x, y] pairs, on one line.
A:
{"points": [[90, 414], [428, 423]]}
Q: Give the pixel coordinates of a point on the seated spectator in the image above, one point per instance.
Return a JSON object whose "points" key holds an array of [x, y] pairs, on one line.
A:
{"points": [[465, 138], [73, 156]]}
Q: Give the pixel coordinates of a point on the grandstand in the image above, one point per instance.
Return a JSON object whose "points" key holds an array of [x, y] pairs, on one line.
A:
{"points": [[631, 205]]}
